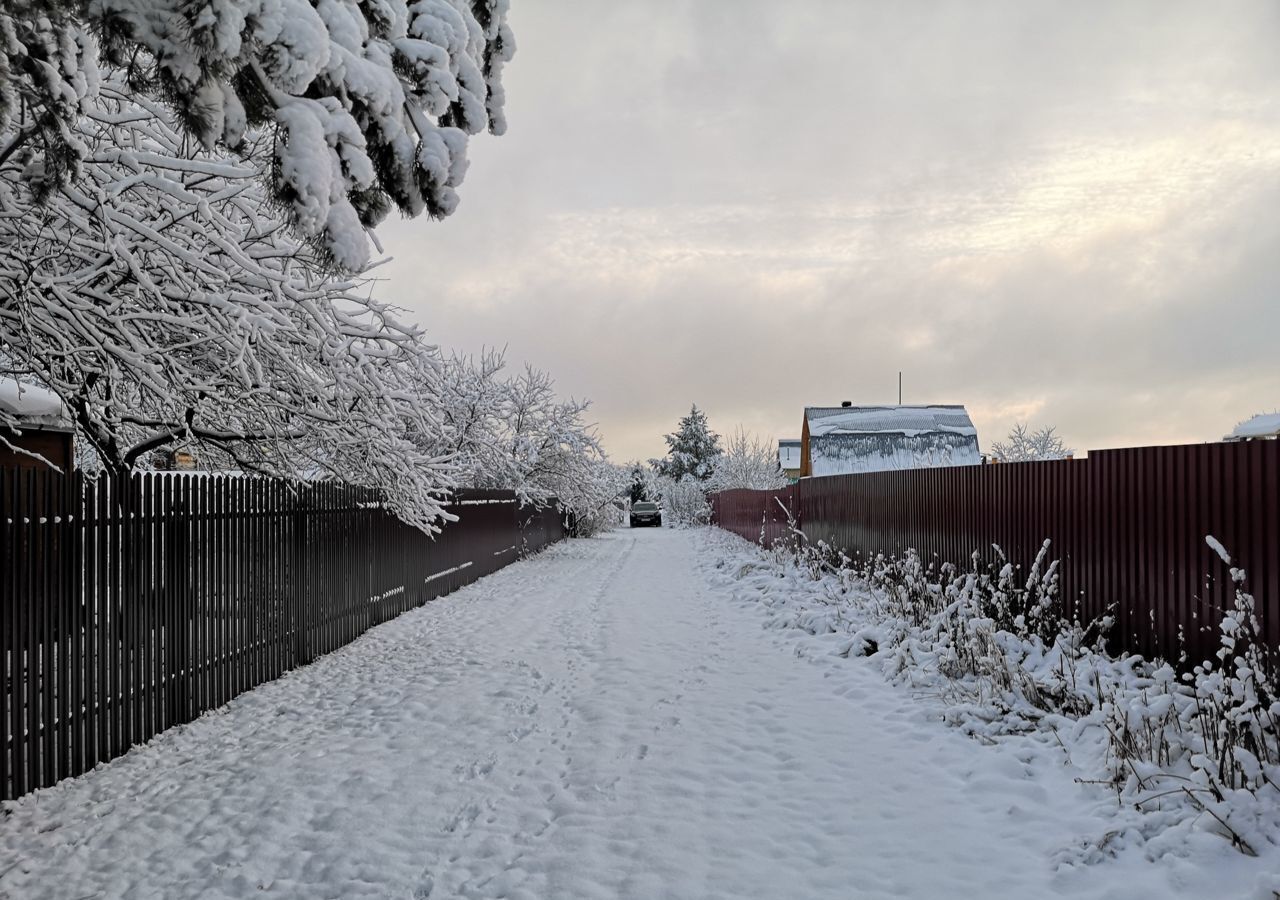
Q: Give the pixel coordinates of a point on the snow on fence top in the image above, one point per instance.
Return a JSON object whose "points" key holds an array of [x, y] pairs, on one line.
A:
{"points": [[1263, 425], [31, 404], [845, 440]]}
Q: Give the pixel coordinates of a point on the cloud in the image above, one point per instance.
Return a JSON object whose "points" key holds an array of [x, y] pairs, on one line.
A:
{"points": [[1067, 215]]}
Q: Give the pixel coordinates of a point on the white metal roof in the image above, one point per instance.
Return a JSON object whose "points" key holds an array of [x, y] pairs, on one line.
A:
{"points": [[1261, 425], [908, 420], [29, 403], [846, 440]]}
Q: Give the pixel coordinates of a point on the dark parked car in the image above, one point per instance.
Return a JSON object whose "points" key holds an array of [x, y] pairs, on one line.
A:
{"points": [[645, 513]]}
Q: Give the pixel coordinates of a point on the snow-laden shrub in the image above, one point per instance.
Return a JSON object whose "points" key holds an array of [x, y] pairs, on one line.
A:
{"points": [[598, 518], [1210, 738], [514, 432], [999, 646], [684, 500]]}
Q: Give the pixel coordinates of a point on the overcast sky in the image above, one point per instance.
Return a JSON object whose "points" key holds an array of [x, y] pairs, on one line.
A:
{"points": [[1064, 213]]}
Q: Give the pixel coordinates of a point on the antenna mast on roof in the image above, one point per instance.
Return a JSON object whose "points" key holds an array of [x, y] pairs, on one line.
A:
{"points": [[899, 387]]}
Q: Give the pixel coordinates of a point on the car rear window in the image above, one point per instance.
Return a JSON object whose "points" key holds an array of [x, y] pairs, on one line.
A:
{"points": [[644, 507]]}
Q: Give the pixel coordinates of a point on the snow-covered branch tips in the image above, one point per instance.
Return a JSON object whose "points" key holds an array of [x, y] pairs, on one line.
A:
{"points": [[513, 432]]}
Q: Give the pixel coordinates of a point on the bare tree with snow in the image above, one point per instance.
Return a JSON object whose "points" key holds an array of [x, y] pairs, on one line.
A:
{"points": [[747, 462], [1024, 445], [158, 296], [548, 443], [514, 432], [471, 392]]}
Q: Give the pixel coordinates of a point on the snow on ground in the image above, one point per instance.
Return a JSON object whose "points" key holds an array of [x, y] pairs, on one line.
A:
{"points": [[603, 720]]}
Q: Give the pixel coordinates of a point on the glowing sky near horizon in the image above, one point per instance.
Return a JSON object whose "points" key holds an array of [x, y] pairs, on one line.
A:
{"points": [[1066, 214]]}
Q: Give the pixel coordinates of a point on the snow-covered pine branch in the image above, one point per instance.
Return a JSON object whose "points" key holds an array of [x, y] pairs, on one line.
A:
{"points": [[642, 482], [161, 300], [1024, 445], [691, 450], [366, 105], [48, 72]]}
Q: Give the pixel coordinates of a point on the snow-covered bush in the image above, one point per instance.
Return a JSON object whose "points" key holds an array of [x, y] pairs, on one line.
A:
{"points": [[746, 463], [1212, 737], [1024, 445], [684, 500], [366, 106], [1199, 750]]}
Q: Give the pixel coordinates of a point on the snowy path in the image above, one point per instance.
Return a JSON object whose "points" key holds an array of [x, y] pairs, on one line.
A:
{"points": [[596, 722]]}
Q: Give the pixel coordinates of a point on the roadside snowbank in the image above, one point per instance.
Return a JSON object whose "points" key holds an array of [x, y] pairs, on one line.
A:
{"points": [[1134, 732]]}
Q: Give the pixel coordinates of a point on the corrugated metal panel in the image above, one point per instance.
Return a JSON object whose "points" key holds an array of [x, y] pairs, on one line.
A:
{"points": [[1128, 527]]}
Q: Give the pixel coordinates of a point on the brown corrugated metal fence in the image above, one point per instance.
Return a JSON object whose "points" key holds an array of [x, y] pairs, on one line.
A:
{"points": [[1128, 527], [133, 604]]}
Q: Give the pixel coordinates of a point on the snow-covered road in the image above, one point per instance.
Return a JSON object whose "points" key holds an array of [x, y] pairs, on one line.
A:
{"points": [[596, 722]]}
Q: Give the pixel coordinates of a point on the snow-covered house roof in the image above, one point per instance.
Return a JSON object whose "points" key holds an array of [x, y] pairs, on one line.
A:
{"points": [[31, 406], [848, 439], [789, 454], [1263, 425]]}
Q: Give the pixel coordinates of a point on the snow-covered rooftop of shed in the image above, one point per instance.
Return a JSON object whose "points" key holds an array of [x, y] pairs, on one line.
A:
{"points": [[31, 403], [906, 420], [1261, 425]]}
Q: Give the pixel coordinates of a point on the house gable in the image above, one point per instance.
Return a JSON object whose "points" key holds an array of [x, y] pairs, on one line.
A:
{"points": [[851, 439]]}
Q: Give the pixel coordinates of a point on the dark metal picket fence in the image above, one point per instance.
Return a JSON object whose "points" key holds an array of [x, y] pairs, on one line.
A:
{"points": [[134, 604], [1128, 527]]}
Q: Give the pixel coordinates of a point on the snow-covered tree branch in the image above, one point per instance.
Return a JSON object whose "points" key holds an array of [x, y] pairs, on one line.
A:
{"points": [[513, 432], [364, 106], [162, 301], [1024, 445], [746, 463]]}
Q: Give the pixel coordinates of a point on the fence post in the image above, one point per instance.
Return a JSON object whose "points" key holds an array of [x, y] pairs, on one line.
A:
{"points": [[175, 611], [298, 582]]}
